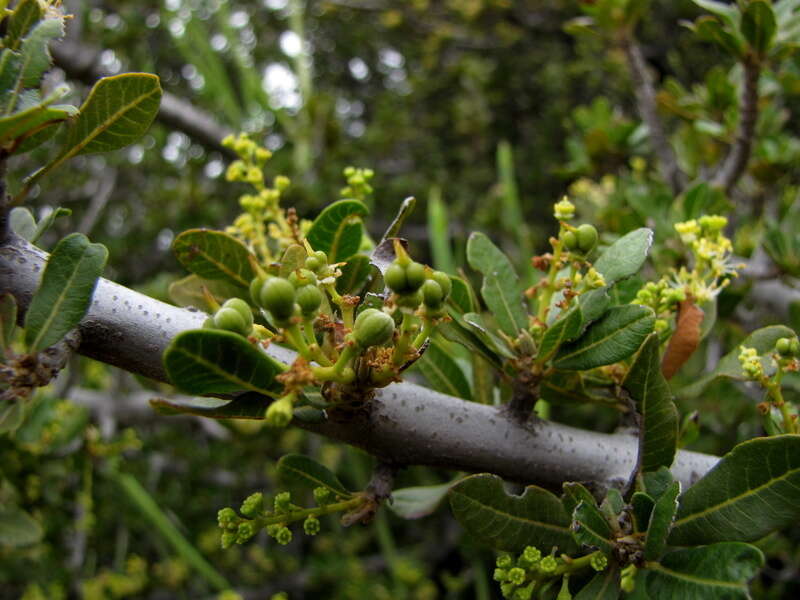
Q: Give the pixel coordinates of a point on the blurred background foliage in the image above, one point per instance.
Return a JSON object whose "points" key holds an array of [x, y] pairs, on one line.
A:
{"points": [[486, 111]]}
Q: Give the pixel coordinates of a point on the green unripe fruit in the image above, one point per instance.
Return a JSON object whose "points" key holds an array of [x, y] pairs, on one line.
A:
{"points": [[279, 413], [794, 347], [313, 263], [302, 277], [309, 297], [255, 289], [373, 328], [444, 281], [395, 278], [229, 319], [412, 300], [784, 346], [243, 308], [432, 294], [415, 276], [587, 237], [570, 240], [277, 296]]}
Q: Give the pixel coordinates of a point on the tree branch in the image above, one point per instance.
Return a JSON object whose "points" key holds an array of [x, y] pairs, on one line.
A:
{"points": [[81, 62], [647, 107], [406, 424], [736, 161]]}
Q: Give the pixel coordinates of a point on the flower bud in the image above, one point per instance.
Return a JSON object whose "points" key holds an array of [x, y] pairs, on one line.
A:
{"points": [[277, 296], [311, 526], [373, 328]]}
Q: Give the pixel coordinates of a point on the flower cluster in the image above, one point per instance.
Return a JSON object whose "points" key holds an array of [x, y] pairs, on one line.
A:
{"points": [[358, 183]]}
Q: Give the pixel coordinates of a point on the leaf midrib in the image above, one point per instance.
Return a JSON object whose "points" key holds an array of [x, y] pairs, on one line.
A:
{"points": [[694, 579], [620, 330], [224, 374]]}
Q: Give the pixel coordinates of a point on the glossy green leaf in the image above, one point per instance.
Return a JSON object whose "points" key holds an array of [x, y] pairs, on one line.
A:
{"points": [[17, 528], [354, 275], [302, 469], [26, 14], [22, 222], [47, 222], [536, 518], [625, 256], [763, 340], [443, 373], [117, 112], [249, 405], [658, 433], [641, 508], [574, 494], [603, 586], [656, 483], [8, 321], [660, 522], [715, 572], [616, 335], [457, 332], [338, 230], [417, 502], [34, 58], [478, 325], [32, 119], [65, 292], [573, 323], [751, 492], [460, 296], [758, 25], [212, 361], [189, 292], [501, 289], [214, 255], [590, 528]]}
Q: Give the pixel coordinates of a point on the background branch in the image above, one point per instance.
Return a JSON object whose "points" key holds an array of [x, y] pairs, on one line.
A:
{"points": [[406, 424]]}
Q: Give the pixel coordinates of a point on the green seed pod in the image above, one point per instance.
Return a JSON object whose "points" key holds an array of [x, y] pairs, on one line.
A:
{"points": [[395, 278], [570, 240], [373, 328], [302, 277], [309, 297], [255, 289], [277, 296], [784, 346], [444, 281], [432, 294], [415, 276], [243, 308], [229, 319], [587, 237]]}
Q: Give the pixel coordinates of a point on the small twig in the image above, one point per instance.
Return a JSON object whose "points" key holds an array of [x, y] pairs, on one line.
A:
{"points": [[735, 163], [378, 490], [647, 107]]}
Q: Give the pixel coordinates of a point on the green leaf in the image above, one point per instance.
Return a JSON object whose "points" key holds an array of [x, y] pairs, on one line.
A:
{"points": [[658, 435], [763, 340], [642, 505], [212, 361], [189, 292], [65, 292], [537, 518], [574, 494], [656, 483], [457, 332], [573, 323], [338, 230], [214, 255], [418, 502], [26, 15], [711, 30], [661, 522], [22, 222], [501, 289], [47, 222], [30, 120], [616, 335], [727, 12], [603, 586], [590, 528], [751, 492], [443, 373], [17, 528], [715, 572], [758, 25], [460, 296], [438, 232], [486, 332], [304, 470], [8, 321], [293, 258], [625, 256], [354, 275], [117, 112], [11, 416], [249, 405]]}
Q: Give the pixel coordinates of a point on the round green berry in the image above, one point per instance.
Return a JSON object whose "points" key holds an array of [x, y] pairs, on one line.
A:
{"points": [[784, 346], [570, 240], [587, 237], [243, 308], [309, 297], [277, 296], [395, 278], [415, 276], [432, 294], [412, 300], [373, 328], [313, 263], [229, 319], [794, 347], [255, 289], [444, 281], [302, 277]]}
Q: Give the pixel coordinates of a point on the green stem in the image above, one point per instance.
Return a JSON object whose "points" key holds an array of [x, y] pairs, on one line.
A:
{"points": [[295, 337], [302, 514], [547, 294], [403, 342], [424, 333]]}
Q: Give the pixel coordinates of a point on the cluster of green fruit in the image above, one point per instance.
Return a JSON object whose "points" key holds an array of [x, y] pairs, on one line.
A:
{"points": [[581, 239], [788, 347], [413, 286]]}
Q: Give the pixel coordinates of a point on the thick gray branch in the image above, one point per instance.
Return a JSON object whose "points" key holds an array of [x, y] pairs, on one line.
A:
{"points": [[647, 107], [739, 155], [407, 424], [81, 62]]}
